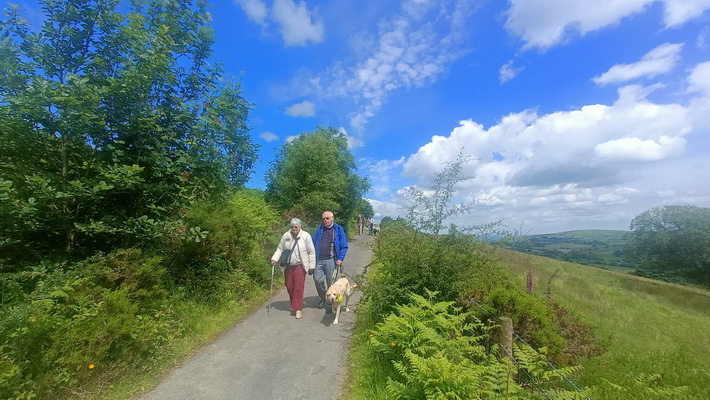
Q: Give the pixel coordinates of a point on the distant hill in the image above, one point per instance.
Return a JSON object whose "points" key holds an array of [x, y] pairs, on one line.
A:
{"points": [[598, 248]]}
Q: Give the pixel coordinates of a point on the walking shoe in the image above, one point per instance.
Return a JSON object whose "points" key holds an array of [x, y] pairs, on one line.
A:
{"points": [[298, 314], [321, 304], [328, 310]]}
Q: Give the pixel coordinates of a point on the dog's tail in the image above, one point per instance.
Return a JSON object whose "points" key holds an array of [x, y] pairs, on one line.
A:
{"points": [[354, 285]]}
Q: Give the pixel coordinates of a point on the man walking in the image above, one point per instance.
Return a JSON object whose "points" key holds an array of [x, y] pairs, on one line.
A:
{"points": [[331, 245]]}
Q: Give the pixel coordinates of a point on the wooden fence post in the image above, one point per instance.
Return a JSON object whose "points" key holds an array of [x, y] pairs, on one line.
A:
{"points": [[505, 338]]}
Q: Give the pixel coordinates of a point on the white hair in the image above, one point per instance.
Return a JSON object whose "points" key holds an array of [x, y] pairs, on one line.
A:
{"points": [[296, 222]]}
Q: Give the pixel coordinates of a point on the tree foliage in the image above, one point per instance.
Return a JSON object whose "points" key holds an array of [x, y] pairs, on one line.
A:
{"points": [[365, 208], [110, 123], [672, 243], [428, 211], [316, 172]]}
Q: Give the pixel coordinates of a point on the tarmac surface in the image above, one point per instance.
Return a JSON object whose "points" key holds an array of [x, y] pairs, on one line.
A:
{"points": [[272, 355]]}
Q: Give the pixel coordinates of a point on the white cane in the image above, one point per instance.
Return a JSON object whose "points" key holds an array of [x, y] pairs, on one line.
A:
{"points": [[271, 290]]}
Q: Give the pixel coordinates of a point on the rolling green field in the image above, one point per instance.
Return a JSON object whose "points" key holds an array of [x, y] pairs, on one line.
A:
{"points": [[655, 334], [598, 248]]}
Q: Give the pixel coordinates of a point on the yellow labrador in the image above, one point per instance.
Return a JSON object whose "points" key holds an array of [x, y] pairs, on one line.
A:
{"points": [[337, 292]]}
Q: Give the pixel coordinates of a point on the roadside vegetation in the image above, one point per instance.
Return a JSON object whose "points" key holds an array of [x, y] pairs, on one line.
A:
{"points": [[427, 323], [653, 334], [127, 239], [427, 326]]}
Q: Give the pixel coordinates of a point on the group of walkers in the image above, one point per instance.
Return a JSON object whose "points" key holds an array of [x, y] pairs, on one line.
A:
{"points": [[299, 254], [368, 222]]}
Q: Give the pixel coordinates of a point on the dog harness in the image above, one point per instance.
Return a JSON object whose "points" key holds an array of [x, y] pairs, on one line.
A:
{"points": [[339, 299]]}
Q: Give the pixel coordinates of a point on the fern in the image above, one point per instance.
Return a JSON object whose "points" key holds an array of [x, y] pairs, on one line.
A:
{"points": [[436, 352]]}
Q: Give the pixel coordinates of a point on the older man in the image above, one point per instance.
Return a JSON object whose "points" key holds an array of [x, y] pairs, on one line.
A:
{"points": [[331, 245]]}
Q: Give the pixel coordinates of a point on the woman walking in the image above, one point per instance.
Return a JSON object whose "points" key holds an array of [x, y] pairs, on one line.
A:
{"points": [[296, 255]]}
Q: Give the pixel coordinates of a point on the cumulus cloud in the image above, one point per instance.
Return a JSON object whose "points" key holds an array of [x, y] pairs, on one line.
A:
{"points": [[254, 9], [658, 61], [639, 149], [699, 79], [546, 23], [582, 165], [298, 24], [508, 72], [577, 146], [678, 12], [302, 109], [269, 136]]}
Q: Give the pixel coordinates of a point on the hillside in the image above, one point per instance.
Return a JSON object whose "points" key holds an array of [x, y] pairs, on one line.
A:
{"points": [[598, 248], [654, 333]]}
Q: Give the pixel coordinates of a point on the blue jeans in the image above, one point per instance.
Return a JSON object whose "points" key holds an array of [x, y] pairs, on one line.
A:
{"points": [[323, 277]]}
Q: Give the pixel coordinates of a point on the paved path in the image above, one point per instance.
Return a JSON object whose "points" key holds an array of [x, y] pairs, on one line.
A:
{"points": [[274, 356]]}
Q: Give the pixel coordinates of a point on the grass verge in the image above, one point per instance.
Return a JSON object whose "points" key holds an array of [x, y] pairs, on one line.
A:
{"points": [[654, 333]]}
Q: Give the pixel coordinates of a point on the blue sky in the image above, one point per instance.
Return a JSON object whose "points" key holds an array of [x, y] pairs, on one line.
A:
{"points": [[576, 114]]}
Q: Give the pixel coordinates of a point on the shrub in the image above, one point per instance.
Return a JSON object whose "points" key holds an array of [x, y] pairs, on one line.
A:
{"points": [[413, 262], [107, 312], [220, 242], [437, 352]]}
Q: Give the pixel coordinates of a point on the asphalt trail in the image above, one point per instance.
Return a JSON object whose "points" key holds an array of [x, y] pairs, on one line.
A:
{"points": [[274, 356]]}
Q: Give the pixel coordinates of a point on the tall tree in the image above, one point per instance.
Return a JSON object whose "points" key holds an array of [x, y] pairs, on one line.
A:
{"points": [[316, 172], [112, 123], [672, 243], [365, 208]]}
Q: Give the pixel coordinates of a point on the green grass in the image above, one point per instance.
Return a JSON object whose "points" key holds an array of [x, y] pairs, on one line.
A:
{"points": [[205, 324], [655, 334], [599, 248]]}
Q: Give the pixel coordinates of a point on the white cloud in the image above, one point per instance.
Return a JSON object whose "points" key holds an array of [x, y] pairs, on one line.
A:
{"points": [[699, 78], [546, 23], [658, 61], [302, 109], [508, 72], [412, 49], [641, 150], [574, 168], [380, 173], [254, 9], [298, 24], [269, 136], [679, 11]]}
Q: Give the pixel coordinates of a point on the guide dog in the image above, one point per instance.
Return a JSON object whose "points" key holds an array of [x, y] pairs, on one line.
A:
{"points": [[337, 292]]}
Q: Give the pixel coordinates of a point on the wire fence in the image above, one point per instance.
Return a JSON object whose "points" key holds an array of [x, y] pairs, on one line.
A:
{"points": [[523, 372]]}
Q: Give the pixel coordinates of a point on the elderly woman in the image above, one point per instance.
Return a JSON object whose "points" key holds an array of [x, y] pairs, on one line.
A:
{"points": [[299, 258]]}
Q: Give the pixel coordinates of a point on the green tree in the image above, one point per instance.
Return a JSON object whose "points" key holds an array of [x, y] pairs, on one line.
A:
{"points": [[672, 243], [365, 208], [111, 124], [428, 212], [316, 172]]}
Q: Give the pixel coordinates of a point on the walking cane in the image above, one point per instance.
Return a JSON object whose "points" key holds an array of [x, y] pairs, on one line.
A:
{"points": [[271, 290]]}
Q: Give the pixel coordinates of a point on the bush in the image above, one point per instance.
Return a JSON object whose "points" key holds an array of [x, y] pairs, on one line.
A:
{"points": [[222, 242], [414, 262], [99, 315], [438, 352]]}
